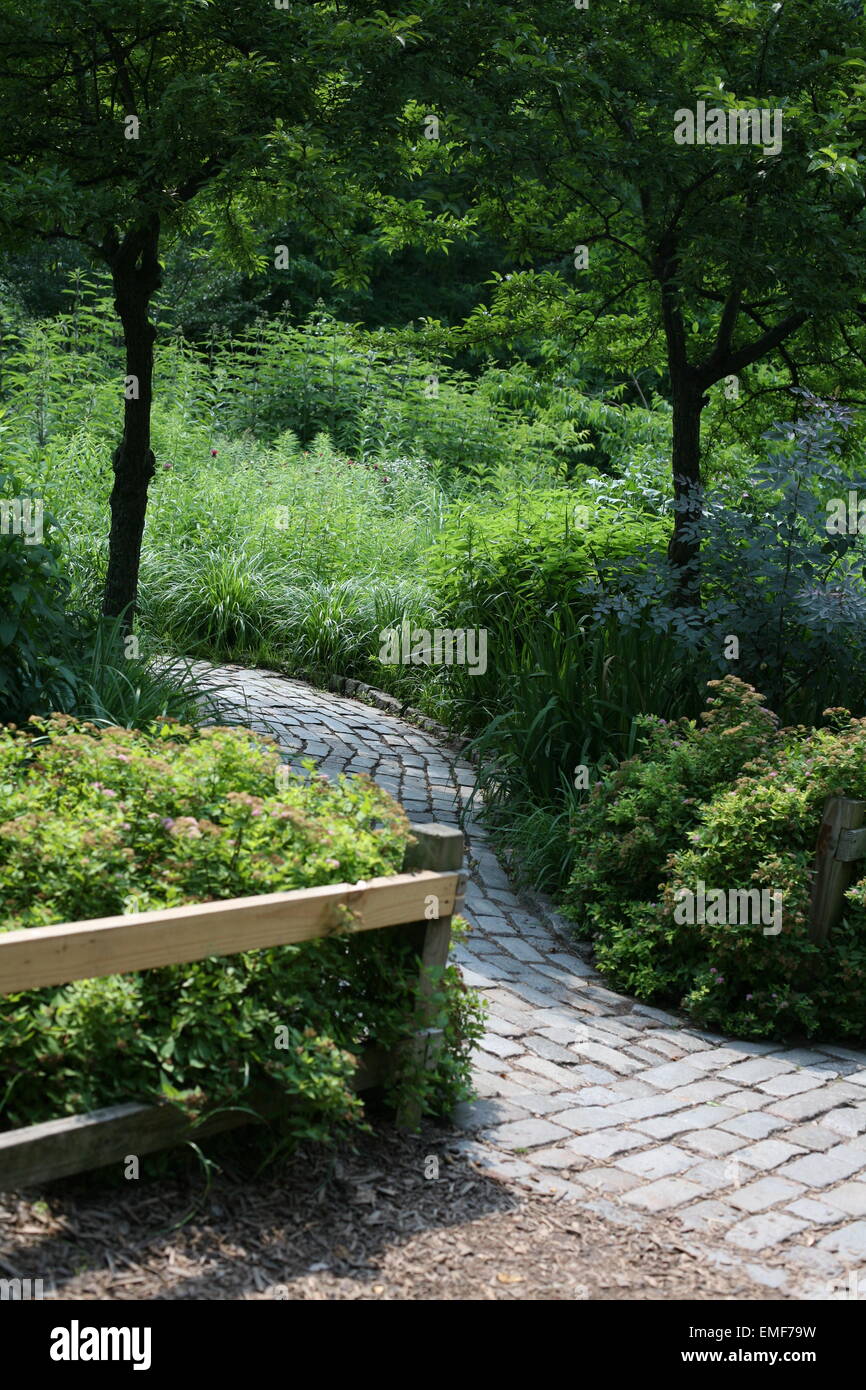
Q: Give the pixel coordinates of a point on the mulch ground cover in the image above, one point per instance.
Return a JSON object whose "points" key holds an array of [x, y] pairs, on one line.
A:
{"points": [[371, 1221]]}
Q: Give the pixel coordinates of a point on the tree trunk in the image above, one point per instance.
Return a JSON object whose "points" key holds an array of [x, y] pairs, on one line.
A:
{"points": [[684, 547], [135, 275]]}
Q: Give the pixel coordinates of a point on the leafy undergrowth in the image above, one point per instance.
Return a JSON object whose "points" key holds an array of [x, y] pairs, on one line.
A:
{"points": [[733, 806], [103, 821]]}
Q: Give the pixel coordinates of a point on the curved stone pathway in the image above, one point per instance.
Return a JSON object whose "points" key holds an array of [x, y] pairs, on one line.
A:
{"points": [[758, 1150]]}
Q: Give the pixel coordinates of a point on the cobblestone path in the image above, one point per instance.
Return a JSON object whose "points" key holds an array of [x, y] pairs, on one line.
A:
{"points": [[614, 1104]]}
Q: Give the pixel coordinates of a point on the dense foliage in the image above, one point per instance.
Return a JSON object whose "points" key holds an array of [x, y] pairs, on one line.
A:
{"points": [[101, 822], [733, 803], [451, 333], [33, 622], [293, 552]]}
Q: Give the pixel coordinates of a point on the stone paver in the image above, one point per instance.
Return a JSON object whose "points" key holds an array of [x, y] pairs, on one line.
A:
{"points": [[708, 1215], [828, 1168], [767, 1192], [850, 1197], [754, 1124], [524, 1134], [848, 1240], [770, 1228], [656, 1163], [664, 1195], [605, 1099], [769, 1153]]}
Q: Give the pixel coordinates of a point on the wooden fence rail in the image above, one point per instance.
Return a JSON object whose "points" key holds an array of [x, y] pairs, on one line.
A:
{"points": [[55, 955], [841, 842]]}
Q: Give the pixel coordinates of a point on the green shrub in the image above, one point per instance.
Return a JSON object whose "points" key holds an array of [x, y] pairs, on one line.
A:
{"points": [[54, 658], [570, 696], [559, 689], [115, 686], [772, 575], [503, 560], [34, 625], [101, 822], [735, 805]]}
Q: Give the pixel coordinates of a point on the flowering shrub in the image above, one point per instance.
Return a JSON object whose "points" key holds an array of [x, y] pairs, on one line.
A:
{"points": [[735, 805], [97, 822]]}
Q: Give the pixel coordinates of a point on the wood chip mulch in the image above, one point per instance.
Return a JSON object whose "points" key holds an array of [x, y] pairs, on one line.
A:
{"points": [[359, 1223]]}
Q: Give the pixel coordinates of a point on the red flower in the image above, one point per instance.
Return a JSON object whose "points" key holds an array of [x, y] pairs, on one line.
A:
{"points": [[213, 453]]}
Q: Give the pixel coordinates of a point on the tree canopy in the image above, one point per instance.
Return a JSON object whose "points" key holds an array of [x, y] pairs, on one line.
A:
{"points": [[672, 191], [569, 135], [120, 128]]}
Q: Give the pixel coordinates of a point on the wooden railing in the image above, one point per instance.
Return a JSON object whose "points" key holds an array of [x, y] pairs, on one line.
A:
{"points": [[41, 956], [841, 842]]}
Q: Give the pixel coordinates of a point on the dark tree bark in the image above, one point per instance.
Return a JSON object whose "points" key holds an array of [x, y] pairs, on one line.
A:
{"points": [[135, 273], [689, 385], [688, 402]]}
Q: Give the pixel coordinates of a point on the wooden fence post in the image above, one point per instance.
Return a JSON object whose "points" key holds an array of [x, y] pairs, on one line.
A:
{"points": [[840, 842], [438, 847]]}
